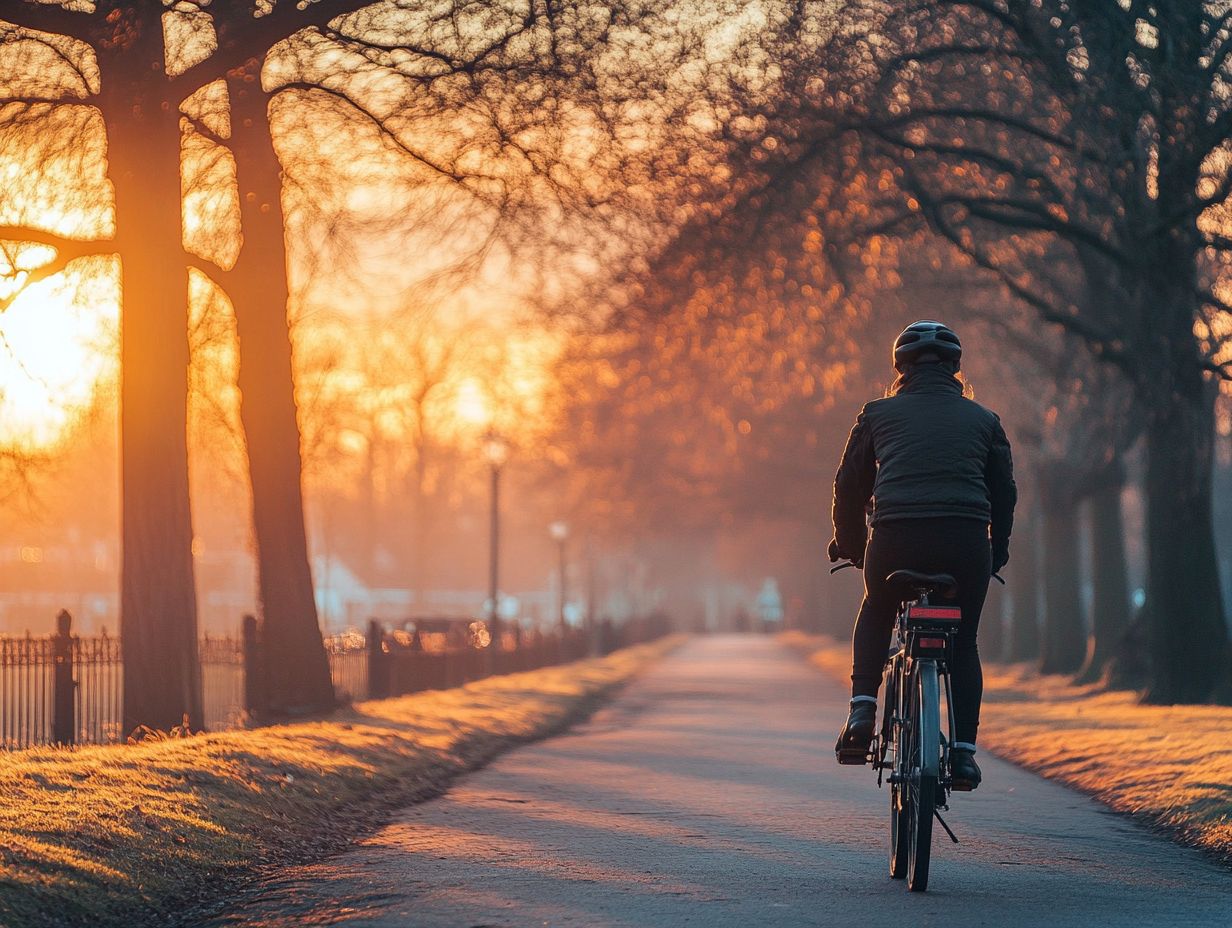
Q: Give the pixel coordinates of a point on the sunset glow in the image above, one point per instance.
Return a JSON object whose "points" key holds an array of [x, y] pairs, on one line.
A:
{"points": [[471, 407], [59, 344]]}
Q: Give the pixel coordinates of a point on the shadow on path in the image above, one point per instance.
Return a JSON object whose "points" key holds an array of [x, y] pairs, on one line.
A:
{"points": [[707, 795]]}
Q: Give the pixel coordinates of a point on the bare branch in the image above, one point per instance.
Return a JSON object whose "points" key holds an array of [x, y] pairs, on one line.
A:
{"points": [[1218, 59], [58, 46], [83, 247], [1017, 213], [203, 130], [987, 7], [380, 124], [215, 273], [452, 64], [1221, 369], [28, 100], [971, 152], [1219, 53], [1195, 206], [991, 116], [1102, 343], [244, 38], [1214, 134], [48, 17], [67, 251], [1218, 240]]}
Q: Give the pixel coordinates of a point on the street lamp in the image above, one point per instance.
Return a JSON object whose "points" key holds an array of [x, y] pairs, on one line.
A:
{"points": [[496, 450], [560, 532]]}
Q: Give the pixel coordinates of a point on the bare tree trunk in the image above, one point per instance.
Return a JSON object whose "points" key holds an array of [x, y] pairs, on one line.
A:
{"points": [[1024, 634], [1187, 633], [368, 516], [298, 678], [421, 516], [158, 607], [1186, 626], [1110, 609], [1064, 638]]}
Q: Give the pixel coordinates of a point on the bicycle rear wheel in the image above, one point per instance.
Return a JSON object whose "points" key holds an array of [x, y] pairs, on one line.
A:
{"points": [[924, 766]]}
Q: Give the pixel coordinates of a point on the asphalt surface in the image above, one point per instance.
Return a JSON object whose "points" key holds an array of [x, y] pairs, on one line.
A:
{"points": [[707, 794]]}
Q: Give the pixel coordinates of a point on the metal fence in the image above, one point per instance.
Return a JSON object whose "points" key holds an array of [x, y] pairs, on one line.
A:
{"points": [[400, 662], [97, 680], [68, 689], [222, 682], [59, 688], [25, 691]]}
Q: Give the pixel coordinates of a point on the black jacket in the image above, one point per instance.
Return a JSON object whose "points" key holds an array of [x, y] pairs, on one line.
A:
{"points": [[927, 451]]}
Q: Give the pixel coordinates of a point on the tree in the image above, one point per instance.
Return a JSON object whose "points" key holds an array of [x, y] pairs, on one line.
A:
{"points": [[135, 75], [464, 61], [390, 379], [1024, 643], [1087, 428], [1103, 127], [1074, 421], [297, 670], [1111, 614]]}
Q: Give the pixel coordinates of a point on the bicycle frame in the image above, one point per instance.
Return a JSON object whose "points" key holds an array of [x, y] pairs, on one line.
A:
{"points": [[910, 744], [915, 677], [898, 675]]}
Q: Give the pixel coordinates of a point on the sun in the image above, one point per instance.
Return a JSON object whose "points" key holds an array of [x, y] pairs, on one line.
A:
{"points": [[58, 342], [471, 407]]}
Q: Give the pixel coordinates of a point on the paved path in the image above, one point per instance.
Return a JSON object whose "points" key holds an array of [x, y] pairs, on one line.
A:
{"points": [[707, 795]]}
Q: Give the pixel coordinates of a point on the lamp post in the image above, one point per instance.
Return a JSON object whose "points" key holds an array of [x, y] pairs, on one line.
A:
{"points": [[496, 450], [560, 532]]}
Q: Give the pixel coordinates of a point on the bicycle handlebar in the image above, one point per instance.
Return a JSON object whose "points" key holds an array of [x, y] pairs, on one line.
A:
{"points": [[846, 564]]}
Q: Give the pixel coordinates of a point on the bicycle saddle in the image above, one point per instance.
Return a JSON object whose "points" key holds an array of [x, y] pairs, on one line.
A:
{"points": [[909, 583]]}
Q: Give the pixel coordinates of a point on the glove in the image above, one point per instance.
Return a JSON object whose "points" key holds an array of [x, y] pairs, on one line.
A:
{"points": [[836, 554]]}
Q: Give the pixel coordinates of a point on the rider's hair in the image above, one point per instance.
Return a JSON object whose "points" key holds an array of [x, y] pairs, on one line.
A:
{"points": [[900, 382]]}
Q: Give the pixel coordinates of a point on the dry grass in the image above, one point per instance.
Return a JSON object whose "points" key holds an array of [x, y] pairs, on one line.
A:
{"points": [[1170, 765], [126, 835]]}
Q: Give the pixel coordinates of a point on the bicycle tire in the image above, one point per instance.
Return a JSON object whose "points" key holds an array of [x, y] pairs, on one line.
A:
{"points": [[925, 765], [893, 734]]}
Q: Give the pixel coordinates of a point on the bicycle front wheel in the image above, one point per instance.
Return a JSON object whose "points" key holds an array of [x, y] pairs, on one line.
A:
{"points": [[924, 766]]}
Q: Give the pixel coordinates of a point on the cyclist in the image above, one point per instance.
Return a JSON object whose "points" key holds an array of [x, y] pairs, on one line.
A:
{"points": [[937, 467]]}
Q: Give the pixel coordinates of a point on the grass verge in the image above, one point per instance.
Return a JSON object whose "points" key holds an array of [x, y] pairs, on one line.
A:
{"points": [[1170, 766], [139, 834]]}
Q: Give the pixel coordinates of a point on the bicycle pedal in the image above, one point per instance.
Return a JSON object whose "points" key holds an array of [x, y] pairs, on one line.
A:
{"points": [[961, 786], [851, 757]]}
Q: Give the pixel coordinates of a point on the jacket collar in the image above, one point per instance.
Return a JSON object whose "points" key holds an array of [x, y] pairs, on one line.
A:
{"points": [[928, 378]]}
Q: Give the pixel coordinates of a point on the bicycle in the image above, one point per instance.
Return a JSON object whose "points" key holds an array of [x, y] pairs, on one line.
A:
{"points": [[910, 744]]}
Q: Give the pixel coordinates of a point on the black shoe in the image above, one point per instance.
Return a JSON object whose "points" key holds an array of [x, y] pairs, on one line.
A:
{"points": [[964, 771], [857, 734]]}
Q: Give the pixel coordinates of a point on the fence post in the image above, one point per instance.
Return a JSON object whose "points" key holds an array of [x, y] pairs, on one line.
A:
{"points": [[378, 675], [489, 662], [254, 672], [63, 722]]}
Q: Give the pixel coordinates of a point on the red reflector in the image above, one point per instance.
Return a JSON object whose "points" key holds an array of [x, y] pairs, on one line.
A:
{"points": [[936, 612], [930, 642]]}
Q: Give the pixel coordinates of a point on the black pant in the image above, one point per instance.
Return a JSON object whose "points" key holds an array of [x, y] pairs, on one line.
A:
{"points": [[955, 546]]}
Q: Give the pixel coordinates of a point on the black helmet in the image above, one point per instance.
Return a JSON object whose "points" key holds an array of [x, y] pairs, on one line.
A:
{"points": [[926, 336]]}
